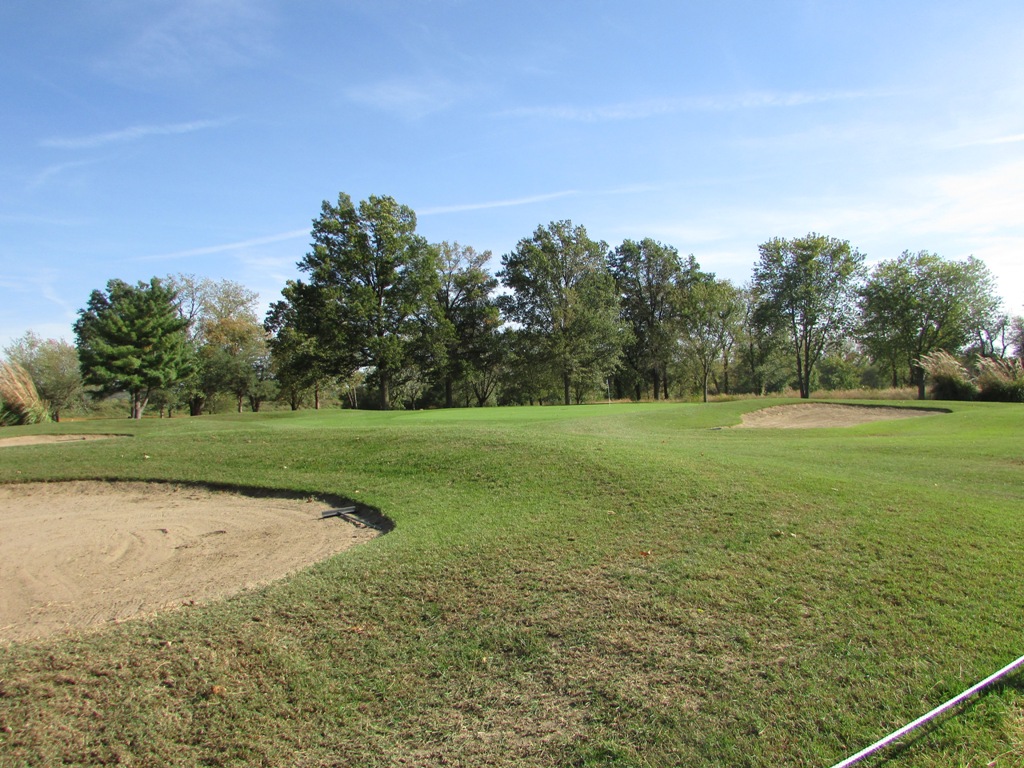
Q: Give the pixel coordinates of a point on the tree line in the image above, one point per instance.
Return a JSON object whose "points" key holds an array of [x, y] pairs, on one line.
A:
{"points": [[382, 318]]}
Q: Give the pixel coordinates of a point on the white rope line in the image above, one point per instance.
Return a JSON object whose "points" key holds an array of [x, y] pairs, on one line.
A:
{"points": [[929, 716]]}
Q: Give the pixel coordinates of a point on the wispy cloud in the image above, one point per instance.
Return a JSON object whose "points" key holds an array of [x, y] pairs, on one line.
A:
{"points": [[190, 39], [35, 303], [411, 98], [642, 109], [1014, 139], [52, 171], [40, 283], [133, 133], [208, 250], [510, 203], [631, 189]]}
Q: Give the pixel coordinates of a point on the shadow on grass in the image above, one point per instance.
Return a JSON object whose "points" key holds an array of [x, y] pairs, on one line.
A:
{"points": [[369, 516], [893, 754]]}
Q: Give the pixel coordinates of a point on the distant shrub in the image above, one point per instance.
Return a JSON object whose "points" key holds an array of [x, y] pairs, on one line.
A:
{"points": [[1003, 392], [949, 379], [1000, 380], [953, 389], [19, 401], [994, 379]]}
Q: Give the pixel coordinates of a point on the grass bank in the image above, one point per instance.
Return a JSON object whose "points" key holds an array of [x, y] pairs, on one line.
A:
{"points": [[601, 585]]}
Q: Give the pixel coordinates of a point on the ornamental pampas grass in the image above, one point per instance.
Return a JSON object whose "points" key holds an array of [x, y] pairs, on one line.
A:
{"points": [[1001, 380], [950, 380], [19, 401]]}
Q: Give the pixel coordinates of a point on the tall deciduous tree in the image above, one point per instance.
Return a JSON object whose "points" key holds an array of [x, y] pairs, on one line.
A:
{"points": [[1017, 335], [808, 286], [234, 342], [563, 296], [53, 366], [711, 312], [919, 303], [649, 277], [227, 342], [370, 278], [300, 363], [131, 339], [762, 354], [468, 315]]}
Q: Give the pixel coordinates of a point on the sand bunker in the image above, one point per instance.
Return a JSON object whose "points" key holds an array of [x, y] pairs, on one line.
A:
{"points": [[810, 415], [81, 554], [6, 442]]}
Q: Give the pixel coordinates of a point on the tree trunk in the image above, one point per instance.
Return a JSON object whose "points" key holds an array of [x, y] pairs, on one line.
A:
{"points": [[565, 387], [449, 402], [316, 396], [656, 376], [385, 394], [195, 406], [138, 404], [805, 384]]}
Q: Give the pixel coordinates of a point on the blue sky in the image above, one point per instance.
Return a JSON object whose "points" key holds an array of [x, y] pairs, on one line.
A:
{"points": [[144, 137]]}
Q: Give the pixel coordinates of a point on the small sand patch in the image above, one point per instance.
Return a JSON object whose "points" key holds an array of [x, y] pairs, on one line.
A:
{"points": [[812, 415], [81, 554], [10, 442]]}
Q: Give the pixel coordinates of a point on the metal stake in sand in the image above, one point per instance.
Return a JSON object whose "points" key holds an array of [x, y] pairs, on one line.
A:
{"points": [[930, 716]]}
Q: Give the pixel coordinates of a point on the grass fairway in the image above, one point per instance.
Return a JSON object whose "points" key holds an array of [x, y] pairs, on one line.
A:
{"points": [[604, 585]]}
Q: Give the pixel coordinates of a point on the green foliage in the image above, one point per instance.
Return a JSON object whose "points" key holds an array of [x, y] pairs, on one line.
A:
{"points": [[468, 321], [840, 371], [761, 349], [53, 366], [227, 344], [563, 297], [711, 313], [999, 391], [372, 282], [1016, 332], [132, 339], [995, 379], [528, 378], [650, 279], [1000, 380], [949, 379], [806, 289], [299, 362], [919, 303]]}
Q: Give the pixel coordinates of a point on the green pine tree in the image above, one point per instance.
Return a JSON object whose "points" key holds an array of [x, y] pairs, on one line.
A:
{"points": [[131, 339]]}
